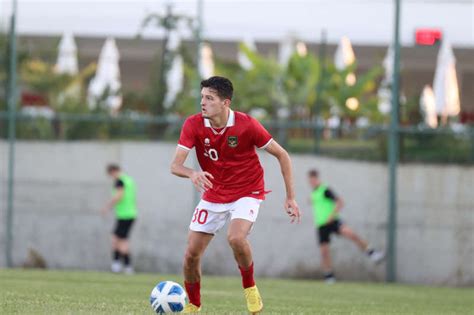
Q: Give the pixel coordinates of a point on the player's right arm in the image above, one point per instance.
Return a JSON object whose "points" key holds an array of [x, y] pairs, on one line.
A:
{"points": [[200, 179], [286, 169]]}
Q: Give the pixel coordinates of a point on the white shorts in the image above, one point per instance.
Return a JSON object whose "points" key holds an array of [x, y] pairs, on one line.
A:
{"points": [[210, 217]]}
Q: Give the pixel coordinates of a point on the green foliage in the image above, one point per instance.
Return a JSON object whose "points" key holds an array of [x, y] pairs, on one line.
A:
{"points": [[135, 101], [337, 91], [22, 55], [268, 85], [32, 129], [301, 78], [260, 86], [453, 148], [187, 100], [410, 111], [81, 129], [3, 71], [42, 78]]}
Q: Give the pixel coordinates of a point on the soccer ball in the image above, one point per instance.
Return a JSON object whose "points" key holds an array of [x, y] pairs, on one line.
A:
{"points": [[168, 297]]}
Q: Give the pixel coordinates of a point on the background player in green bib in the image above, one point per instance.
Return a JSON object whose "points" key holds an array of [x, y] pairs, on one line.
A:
{"points": [[326, 208], [124, 202]]}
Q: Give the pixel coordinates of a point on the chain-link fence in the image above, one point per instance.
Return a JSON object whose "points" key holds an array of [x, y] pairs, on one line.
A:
{"points": [[417, 144]]}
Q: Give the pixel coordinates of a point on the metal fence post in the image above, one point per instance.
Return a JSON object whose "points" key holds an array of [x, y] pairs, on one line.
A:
{"points": [[319, 89], [11, 136], [471, 133], [198, 34], [393, 155]]}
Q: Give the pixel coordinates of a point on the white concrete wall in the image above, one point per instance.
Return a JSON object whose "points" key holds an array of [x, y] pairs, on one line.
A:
{"points": [[60, 188]]}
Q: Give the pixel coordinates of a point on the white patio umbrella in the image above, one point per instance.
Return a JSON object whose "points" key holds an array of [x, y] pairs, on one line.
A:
{"points": [[344, 57], [67, 55], [384, 93], [206, 64], [242, 58], [388, 65], [67, 64], [334, 122], [428, 107], [286, 48], [175, 76], [445, 84], [107, 76]]}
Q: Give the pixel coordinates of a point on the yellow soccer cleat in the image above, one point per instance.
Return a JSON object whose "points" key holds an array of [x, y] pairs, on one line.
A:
{"points": [[254, 300], [191, 309]]}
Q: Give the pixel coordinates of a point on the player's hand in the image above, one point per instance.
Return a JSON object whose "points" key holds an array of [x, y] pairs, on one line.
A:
{"points": [[201, 180], [293, 210]]}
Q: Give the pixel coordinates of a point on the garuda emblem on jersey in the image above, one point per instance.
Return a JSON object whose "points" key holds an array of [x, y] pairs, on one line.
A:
{"points": [[232, 141]]}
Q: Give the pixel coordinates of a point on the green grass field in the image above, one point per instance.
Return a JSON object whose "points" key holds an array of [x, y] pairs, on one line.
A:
{"points": [[77, 292]]}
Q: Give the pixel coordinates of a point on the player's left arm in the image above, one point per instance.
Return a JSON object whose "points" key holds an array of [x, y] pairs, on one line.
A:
{"points": [[339, 203], [283, 158]]}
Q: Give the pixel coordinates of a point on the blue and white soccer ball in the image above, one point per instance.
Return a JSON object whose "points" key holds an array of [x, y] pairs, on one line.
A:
{"points": [[168, 297]]}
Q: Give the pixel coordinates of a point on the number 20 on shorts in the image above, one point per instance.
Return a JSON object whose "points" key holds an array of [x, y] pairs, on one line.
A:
{"points": [[200, 215]]}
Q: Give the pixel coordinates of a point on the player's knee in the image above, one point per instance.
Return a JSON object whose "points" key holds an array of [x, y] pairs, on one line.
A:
{"points": [[350, 234], [354, 237], [324, 248], [191, 257], [123, 246], [236, 241]]}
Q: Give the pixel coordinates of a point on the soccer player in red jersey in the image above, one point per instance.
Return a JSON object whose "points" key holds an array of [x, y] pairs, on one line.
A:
{"points": [[231, 181]]}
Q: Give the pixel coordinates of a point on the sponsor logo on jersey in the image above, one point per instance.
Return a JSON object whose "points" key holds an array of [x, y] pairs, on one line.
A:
{"points": [[232, 141]]}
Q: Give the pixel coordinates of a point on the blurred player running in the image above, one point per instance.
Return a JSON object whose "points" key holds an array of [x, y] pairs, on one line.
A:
{"points": [[326, 208], [232, 182]]}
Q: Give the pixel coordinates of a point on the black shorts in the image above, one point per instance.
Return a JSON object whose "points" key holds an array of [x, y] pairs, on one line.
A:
{"points": [[325, 231], [122, 228]]}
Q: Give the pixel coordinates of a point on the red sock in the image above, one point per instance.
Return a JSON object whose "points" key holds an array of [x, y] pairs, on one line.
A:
{"points": [[194, 292], [247, 276]]}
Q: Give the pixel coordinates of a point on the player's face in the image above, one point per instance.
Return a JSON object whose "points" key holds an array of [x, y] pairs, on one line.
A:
{"points": [[313, 181], [113, 174], [211, 104]]}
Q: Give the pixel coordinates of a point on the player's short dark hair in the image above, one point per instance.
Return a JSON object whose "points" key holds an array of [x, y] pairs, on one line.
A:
{"points": [[113, 167], [313, 173], [221, 85]]}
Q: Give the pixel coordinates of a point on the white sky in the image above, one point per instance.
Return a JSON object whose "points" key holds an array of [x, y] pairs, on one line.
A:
{"points": [[363, 21]]}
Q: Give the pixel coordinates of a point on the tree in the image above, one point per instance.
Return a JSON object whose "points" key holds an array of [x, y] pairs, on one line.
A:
{"points": [[270, 86], [168, 22], [352, 100], [42, 78], [258, 87]]}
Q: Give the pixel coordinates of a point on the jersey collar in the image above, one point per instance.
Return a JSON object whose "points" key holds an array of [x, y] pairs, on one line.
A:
{"points": [[230, 120]]}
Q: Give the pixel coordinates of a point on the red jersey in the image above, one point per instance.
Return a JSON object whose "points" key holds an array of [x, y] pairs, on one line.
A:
{"points": [[228, 154]]}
